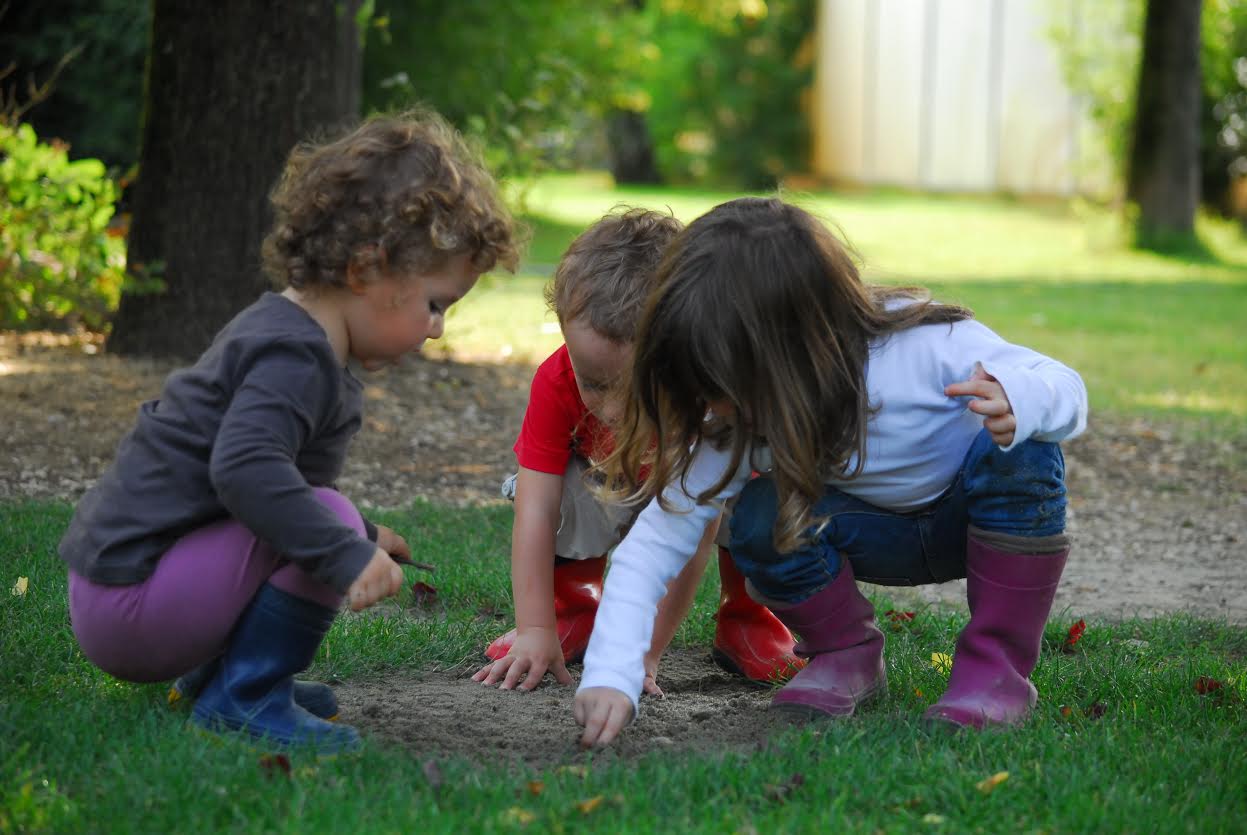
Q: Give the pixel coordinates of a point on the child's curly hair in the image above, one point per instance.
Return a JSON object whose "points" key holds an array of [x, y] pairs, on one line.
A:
{"points": [[400, 192], [608, 271]]}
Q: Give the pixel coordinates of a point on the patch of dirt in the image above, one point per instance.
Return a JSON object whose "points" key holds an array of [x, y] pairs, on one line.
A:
{"points": [[1159, 523], [446, 715]]}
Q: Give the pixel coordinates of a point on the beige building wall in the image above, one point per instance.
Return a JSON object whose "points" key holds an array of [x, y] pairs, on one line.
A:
{"points": [[951, 95]]}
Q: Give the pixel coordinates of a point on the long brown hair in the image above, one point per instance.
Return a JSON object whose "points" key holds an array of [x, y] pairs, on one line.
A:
{"points": [[759, 304]]}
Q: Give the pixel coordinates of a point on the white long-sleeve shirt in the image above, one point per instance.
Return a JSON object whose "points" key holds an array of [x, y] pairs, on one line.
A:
{"points": [[915, 443]]}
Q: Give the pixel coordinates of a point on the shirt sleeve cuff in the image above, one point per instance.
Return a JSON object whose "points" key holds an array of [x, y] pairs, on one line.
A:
{"points": [[615, 681]]}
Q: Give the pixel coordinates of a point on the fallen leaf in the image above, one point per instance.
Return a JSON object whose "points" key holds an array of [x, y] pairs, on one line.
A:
{"points": [[1067, 711], [933, 819], [422, 594], [536, 787], [19, 588], [586, 807], [899, 619], [1095, 710], [941, 661], [1206, 684], [272, 764], [1074, 636], [987, 784], [516, 815]]}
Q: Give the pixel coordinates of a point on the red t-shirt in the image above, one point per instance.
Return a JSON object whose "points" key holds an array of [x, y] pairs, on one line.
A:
{"points": [[557, 424]]}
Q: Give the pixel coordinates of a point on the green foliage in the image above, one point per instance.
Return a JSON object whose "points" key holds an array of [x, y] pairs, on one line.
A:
{"points": [[1223, 130], [720, 81], [96, 103], [1100, 45], [526, 79], [726, 86], [58, 263]]}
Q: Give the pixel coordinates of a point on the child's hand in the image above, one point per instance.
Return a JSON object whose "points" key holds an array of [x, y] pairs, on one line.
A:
{"points": [[993, 404], [380, 578], [392, 543], [535, 651], [651, 678], [603, 711]]}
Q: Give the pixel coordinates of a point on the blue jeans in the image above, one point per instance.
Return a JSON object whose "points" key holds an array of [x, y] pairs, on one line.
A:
{"points": [[1020, 492]]}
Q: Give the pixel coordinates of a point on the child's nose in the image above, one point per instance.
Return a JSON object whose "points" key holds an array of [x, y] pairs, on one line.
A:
{"points": [[436, 326]]}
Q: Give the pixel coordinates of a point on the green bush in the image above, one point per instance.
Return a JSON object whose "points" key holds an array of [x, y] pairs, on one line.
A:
{"points": [[726, 90], [59, 265], [1100, 47]]}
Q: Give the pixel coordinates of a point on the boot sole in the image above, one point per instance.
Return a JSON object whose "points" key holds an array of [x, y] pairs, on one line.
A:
{"points": [[806, 713], [726, 663]]}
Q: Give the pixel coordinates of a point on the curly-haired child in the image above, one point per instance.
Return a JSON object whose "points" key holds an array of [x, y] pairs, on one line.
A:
{"points": [[562, 530], [215, 547]]}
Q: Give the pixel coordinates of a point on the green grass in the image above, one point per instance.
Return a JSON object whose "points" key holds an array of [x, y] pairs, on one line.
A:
{"points": [[82, 752], [1160, 336]]}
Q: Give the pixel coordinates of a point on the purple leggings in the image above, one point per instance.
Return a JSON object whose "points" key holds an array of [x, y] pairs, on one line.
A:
{"points": [[182, 615]]}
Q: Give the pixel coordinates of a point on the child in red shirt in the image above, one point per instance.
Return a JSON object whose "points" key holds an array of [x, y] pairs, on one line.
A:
{"points": [[563, 530]]}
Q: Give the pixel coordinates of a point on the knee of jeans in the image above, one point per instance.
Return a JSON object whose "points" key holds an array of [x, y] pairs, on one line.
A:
{"points": [[342, 507], [753, 520], [1021, 491]]}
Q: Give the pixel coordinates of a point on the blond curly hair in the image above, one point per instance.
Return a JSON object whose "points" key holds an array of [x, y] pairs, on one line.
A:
{"points": [[400, 192]]}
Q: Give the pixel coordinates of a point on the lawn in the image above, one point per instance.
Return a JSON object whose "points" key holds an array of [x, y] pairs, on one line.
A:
{"points": [[1140, 728], [1155, 335], [1140, 725]]}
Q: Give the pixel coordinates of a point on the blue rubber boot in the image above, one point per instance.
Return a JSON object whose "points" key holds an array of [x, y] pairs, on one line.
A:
{"points": [[253, 689], [314, 697]]}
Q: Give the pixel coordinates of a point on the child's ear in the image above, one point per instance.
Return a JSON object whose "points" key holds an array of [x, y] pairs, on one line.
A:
{"points": [[357, 276]]}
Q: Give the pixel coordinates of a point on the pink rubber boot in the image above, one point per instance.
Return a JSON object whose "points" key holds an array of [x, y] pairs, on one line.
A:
{"points": [[1010, 595], [844, 648]]}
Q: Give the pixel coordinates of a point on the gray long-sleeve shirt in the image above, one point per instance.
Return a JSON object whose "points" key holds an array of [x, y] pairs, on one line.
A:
{"points": [[265, 415]]}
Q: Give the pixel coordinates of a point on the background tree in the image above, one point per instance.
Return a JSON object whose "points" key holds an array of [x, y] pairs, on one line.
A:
{"points": [[231, 87], [1164, 170]]}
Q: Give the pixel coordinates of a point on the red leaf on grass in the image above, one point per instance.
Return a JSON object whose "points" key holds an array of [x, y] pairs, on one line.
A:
{"points": [[1075, 635], [272, 764], [1206, 684], [899, 617], [422, 594]]}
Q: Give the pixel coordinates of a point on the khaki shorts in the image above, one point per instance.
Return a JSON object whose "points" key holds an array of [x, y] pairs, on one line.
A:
{"points": [[588, 527]]}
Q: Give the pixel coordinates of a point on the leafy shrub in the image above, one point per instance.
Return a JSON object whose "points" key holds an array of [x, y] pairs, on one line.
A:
{"points": [[726, 90], [58, 263]]}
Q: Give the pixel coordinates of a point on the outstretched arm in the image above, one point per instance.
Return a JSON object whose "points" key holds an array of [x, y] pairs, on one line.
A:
{"points": [[536, 649], [674, 607]]}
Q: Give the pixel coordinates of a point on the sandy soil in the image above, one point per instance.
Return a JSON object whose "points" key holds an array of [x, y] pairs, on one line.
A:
{"points": [[1159, 524]]}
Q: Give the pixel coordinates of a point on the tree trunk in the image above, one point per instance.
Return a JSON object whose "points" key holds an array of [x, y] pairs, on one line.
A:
{"points": [[1164, 159], [631, 148], [232, 86]]}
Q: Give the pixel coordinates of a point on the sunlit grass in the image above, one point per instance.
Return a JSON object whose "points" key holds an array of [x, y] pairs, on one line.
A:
{"points": [[1137, 747], [1156, 335]]}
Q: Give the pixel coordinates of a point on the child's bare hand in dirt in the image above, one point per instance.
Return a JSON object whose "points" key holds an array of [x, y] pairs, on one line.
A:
{"points": [[603, 712], [536, 650], [380, 578], [651, 678], [992, 403], [392, 543]]}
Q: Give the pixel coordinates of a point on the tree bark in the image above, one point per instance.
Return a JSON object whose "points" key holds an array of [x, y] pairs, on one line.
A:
{"points": [[631, 148], [1163, 177], [232, 86]]}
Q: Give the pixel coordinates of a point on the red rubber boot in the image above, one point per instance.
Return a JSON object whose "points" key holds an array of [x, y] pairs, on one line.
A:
{"points": [[845, 648], [748, 639], [1010, 596], [577, 592]]}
